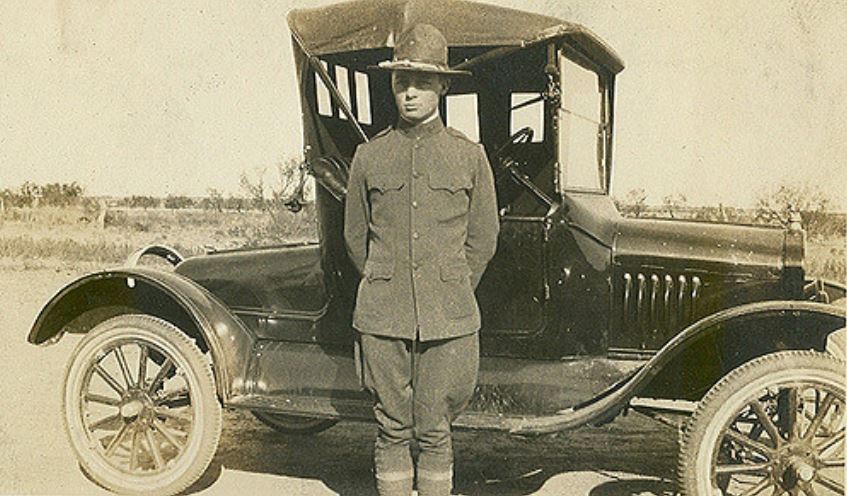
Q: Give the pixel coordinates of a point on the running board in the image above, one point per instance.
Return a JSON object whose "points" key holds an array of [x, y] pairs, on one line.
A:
{"points": [[359, 409], [663, 405]]}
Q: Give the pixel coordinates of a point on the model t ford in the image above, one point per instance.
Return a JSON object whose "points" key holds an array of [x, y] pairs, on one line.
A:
{"points": [[585, 313]]}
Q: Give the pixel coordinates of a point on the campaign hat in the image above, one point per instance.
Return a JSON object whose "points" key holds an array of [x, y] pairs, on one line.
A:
{"points": [[421, 48]]}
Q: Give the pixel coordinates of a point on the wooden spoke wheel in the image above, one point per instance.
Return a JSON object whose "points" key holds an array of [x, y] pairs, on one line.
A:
{"points": [[773, 426], [140, 406]]}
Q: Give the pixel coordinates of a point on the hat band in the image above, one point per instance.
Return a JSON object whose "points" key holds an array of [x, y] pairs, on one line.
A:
{"points": [[412, 64]]}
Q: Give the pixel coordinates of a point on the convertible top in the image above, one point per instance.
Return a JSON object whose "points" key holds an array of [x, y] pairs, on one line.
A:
{"points": [[372, 24]]}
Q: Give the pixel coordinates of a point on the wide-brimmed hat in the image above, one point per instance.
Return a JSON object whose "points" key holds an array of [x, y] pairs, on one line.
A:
{"points": [[421, 48]]}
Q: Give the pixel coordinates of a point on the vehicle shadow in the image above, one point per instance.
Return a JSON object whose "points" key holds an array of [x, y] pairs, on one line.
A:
{"points": [[486, 463]]}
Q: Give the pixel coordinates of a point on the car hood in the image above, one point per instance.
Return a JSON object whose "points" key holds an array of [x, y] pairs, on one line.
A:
{"points": [[273, 279], [706, 243]]}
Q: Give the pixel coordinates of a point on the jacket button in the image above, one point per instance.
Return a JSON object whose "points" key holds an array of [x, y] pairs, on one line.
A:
{"points": [[415, 266], [416, 174], [415, 235], [414, 204]]}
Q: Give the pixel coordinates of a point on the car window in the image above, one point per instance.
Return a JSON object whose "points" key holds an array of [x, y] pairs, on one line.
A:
{"points": [[324, 100], [463, 114], [528, 111], [581, 128], [363, 98], [342, 82], [361, 105]]}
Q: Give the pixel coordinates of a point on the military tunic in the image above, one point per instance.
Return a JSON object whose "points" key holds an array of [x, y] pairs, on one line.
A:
{"points": [[420, 225]]}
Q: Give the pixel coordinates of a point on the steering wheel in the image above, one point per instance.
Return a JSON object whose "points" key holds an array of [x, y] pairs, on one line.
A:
{"points": [[504, 153]]}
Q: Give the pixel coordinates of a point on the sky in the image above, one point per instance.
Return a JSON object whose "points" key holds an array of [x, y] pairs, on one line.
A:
{"points": [[721, 101]]}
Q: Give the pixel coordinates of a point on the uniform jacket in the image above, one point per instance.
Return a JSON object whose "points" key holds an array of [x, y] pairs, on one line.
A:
{"points": [[421, 225]]}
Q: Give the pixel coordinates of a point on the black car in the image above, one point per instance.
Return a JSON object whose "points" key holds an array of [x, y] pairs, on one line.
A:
{"points": [[585, 313]]}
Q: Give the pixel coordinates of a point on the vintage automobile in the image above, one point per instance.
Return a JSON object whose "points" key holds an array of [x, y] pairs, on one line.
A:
{"points": [[586, 314]]}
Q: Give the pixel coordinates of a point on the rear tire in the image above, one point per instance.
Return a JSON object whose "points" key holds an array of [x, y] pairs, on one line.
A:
{"points": [[138, 426], [775, 423], [292, 424]]}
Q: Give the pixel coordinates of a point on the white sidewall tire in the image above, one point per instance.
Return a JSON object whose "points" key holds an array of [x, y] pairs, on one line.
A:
{"points": [[207, 415], [726, 398]]}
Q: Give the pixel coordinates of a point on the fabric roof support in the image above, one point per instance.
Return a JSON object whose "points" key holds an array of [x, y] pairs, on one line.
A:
{"points": [[339, 100]]}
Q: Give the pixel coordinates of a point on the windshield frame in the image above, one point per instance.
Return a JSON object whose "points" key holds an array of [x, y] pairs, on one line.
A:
{"points": [[606, 81]]}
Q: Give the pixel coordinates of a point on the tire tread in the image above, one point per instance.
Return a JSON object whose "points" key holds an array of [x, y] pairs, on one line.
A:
{"points": [[212, 406], [705, 408]]}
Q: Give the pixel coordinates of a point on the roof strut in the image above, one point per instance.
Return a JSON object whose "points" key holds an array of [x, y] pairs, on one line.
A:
{"points": [[333, 90], [503, 51]]}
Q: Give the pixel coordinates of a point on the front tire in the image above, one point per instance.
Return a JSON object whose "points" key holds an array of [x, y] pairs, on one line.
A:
{"points": [[139, 425], [774, 425]]}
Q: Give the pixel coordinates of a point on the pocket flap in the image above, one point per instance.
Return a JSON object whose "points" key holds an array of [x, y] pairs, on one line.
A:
{"points": [[379, 270], [455, 270], [451, 182], [386, 182]]}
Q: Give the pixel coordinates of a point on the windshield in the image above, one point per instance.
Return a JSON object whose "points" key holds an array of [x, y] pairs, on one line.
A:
{"points": [[582, 123]]}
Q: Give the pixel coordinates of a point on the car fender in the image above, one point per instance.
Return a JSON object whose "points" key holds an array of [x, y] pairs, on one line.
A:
{"points": [[94, 297], [810, 326], [609, 403]]}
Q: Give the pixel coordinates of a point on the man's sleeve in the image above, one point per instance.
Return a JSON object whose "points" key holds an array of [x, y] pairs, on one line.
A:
{"points": [[483, 221], [356, 215]]}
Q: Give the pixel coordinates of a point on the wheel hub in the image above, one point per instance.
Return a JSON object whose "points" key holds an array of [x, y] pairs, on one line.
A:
{"points": [[136, 405], [797, 471]]}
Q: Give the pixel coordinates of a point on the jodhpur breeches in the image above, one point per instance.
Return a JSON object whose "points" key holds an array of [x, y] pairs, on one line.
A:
{"points": [[418, 389]]}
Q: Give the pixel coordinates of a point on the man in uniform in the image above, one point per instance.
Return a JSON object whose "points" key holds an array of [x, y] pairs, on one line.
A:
{"points": [[420, 225]]}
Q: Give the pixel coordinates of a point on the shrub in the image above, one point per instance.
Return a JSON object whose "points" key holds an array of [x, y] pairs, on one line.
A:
{"points": [[633, 204], [136, 201], [60, 195], [178, 201], [813, 204], [214, 201]]}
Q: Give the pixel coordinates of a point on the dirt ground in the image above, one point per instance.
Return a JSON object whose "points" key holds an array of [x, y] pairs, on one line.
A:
{"points": [[630, 456]]}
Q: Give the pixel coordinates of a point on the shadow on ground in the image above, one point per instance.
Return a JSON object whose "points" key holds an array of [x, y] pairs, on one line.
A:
{"points": [[486, 463]]}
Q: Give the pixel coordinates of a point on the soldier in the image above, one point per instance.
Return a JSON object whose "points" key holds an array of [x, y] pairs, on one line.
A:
{"points": [[420, 225]]}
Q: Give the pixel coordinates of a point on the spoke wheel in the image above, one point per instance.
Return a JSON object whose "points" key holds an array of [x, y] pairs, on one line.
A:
{"points": [[140, 406], [773, 426], [292, 424]]}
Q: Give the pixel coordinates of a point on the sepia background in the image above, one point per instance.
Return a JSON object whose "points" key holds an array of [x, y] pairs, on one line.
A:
{"points": [[127, 123], [719, 101]]}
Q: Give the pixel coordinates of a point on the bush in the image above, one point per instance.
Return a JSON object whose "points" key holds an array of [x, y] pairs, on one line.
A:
{"points": [[215, 201], [136, 201], [178, 201], [60, 195], [633, 204], [813, 204], [283, 225]]}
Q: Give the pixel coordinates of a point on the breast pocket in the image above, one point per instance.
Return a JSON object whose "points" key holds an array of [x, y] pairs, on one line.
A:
{"points": [[451, 195], [385, 193]]}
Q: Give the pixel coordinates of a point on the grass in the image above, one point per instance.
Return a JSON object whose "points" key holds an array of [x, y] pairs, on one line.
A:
{"points": [[825, 258], [71, 237]]}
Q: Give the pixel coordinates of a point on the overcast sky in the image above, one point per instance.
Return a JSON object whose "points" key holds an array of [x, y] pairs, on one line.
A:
{"points": [[720, 100]]}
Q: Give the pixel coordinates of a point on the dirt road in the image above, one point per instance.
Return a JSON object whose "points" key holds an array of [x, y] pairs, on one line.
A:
{"points": [[631, 456]]}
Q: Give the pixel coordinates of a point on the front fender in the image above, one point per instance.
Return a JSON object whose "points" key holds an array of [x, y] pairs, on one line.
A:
{"points": [[94, 297], [808, 322], [697, 357]]}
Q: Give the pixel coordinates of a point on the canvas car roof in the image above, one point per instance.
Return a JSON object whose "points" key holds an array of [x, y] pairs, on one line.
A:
{"points": [[369, 24]]}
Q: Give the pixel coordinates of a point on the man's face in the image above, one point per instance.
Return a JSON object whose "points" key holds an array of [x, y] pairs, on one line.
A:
{"points": [[417, 93]]}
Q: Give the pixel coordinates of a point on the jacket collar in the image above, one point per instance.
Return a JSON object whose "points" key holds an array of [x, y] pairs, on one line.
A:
{"points": [[422, 130]]}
